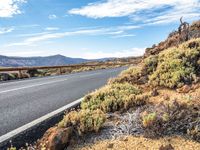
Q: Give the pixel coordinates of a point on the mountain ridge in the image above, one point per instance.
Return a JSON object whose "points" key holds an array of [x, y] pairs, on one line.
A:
{"points": [[53, 60]]}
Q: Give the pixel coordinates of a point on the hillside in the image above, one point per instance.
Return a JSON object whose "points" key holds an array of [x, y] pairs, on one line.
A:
{"points": [[184, 33], [39, 61], [154, 105]]}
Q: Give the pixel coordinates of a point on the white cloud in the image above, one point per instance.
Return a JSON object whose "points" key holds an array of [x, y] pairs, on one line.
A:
{"points": [[147, 11], [32, 34], [8, 8], [6, 30], [112, 31], [123, 35], [51, 28], [53, 16], [117, 54]]}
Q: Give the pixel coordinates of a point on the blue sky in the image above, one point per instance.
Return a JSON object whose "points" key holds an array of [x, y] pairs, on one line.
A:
{"points": [[89, 28]]}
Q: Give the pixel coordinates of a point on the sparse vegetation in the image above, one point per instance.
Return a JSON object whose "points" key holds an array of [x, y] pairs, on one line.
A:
{"points": [[133, 75], [177, 66], [167, 119], [84, 121], [112, 97], [114, 63], [150, 64], [153, 93]]}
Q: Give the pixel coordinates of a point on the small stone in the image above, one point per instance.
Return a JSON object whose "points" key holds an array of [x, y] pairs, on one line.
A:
{"points": [[110, 145], [166, 97], [154, 92], [125, 139], [167, 147], [184, 89], [195, 86]]}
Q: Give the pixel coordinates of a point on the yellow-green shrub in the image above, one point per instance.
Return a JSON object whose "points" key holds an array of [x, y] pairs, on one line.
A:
{"points": [[177, 66], [84, 120], [111, 98], [131, 75], [149, 119], [170, 118], [151, 63]]}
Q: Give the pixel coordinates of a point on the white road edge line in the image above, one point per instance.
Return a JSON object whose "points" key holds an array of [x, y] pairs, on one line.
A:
{"points": [[34, 85], [23, 128]]}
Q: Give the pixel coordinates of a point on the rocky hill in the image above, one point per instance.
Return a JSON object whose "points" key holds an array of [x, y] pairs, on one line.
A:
{"points": [[184, 33], [39, 61], [152, 105]]}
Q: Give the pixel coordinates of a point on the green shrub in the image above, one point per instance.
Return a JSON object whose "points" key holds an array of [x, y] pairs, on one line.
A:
{"points": [[176, 66], [84, 120], [131, 75], [171, 118], [149, 119], [151, 63], [12, 148], [111, 97]]}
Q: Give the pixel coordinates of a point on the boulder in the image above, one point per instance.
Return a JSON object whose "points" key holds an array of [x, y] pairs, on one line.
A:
{"points": [[184, 89], [57, 138]]}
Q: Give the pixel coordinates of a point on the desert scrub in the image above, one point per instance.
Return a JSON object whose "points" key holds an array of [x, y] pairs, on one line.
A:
{"points": [[111, 98], [12, 148], [171, 118], [177, 66], [84, 120], [153, 122], [151, 63], [133, 75]]}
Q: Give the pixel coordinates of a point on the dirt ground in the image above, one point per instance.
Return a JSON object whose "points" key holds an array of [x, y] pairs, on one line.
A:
{"points": [[141, 143]]}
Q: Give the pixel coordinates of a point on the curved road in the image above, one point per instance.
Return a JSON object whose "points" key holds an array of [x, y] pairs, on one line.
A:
{"points": [[26, 100]]}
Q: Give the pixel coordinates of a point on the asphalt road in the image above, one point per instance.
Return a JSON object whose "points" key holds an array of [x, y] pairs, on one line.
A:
{"points": [[24, 101]]}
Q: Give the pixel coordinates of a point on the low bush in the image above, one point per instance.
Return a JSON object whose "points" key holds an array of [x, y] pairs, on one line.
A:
{"points": [[151, 63], [173, 118], [177, 66], [112, 97], [33, 72], [133, 75], [12, 148], [84, 120]]}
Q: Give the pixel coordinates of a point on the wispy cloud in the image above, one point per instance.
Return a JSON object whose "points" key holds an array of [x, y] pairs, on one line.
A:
{"points": [[38, 37], [123, 36], [146, 11], [6, 30], [32, 34], [29, 26], [51, 28], [8, 8], [52, 16]]}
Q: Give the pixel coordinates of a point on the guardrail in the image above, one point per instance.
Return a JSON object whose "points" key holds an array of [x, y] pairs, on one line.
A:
{"points": [[20, 69]]}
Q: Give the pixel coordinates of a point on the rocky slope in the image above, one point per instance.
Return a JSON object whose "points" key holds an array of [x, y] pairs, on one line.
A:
{"points": [[154, 105], [183, 33], [157, 99]]}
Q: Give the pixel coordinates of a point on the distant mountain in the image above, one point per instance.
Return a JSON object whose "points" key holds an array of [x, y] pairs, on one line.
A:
{"points": [[6, 61]]}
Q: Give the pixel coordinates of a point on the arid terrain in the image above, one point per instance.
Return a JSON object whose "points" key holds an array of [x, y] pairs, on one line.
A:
{"points": [[153, 105], [95, 65]]}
